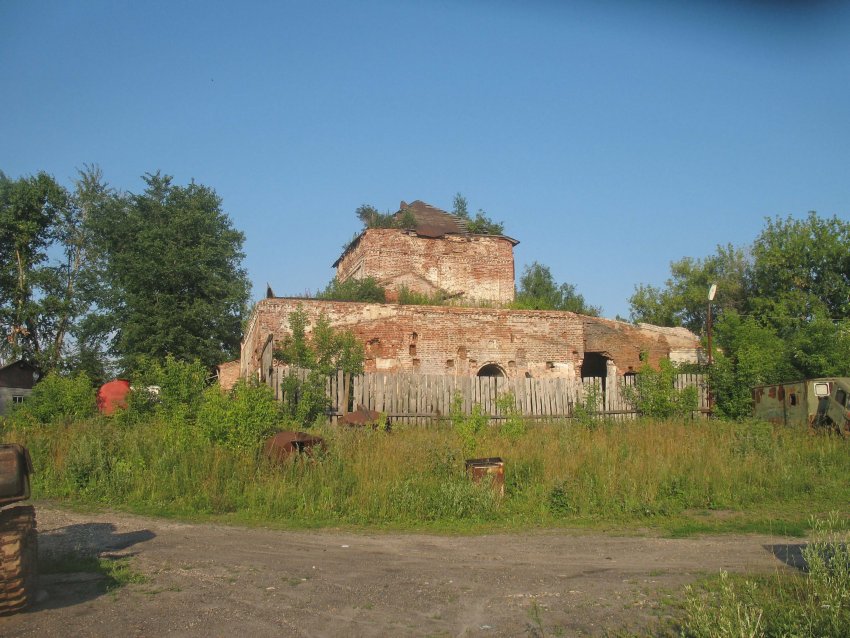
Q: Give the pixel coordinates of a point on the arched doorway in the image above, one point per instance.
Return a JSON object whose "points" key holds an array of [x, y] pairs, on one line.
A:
{"points": [[491, 370]]}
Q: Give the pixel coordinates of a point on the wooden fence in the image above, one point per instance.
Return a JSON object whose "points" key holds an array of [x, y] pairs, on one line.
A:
{"points": [[422, 398]]}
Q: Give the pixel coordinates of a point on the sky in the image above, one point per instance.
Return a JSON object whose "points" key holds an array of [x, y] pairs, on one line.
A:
{"points": [[611, 137]]}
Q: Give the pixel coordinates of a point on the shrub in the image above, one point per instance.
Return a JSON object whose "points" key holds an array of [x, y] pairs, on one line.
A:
{"points": [[58, 398], [180, 388], [468, 427], [655, 395], [367, 289], [513, 427], [311, 362], [408, 297], [241, 418]]}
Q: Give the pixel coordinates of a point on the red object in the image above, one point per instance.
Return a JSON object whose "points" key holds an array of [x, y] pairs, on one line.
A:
{"points": [[112, 395]]}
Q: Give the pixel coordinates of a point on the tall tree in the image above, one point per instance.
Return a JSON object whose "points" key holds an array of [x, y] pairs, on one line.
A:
{"points": [[31, 210], [784, 306], [684, 299], [538, 291], [172, 265]]}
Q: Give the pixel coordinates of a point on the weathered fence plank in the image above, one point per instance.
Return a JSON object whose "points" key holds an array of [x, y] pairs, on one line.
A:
{"points": [[422, 398]]}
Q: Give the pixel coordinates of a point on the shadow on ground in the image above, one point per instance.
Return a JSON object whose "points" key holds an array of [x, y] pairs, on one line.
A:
{"points": [[81, 562], [791, 555]]}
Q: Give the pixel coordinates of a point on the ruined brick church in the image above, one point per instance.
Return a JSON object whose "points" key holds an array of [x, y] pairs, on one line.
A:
{"points": [[474, 334]]}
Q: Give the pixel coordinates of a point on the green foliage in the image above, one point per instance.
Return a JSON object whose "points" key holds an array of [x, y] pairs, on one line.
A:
{"points": [[372, 218], [538, 291], [409, 297], [38, 218], [586, 411], [242, 418], [367, 289], [513, 427], [186, 302], [468, 427], [58, 399], [655, 395], [782, 306], [815, 603], [311, 361], [481, 224], [170, 388], [632, 473], [684, 300]]}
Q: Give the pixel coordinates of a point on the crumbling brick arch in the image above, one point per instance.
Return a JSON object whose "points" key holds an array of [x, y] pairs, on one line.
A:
{"points": [[491, 369]]}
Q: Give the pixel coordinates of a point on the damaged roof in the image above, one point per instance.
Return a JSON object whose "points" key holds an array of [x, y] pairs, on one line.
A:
{"points": [[431, 222]]}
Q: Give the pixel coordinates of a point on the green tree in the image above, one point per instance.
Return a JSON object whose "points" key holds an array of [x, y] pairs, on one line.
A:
{"points": [[684, 299], [37, 296], [312, 360], [481, 224], [539, 291], [172, 270], [655, 395], [782, 306]]}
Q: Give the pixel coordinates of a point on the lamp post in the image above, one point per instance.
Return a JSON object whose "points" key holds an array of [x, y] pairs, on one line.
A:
{"points": [[711, 292]]}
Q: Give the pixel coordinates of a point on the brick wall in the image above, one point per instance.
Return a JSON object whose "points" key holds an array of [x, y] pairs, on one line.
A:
{"points": [[456, 340], [475, 267]]}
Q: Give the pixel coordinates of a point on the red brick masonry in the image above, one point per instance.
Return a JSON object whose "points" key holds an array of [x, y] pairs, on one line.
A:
{"points": [[461, 340]]}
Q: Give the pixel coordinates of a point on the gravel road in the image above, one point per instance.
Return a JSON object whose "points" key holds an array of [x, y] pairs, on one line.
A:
{"points": [[213, 580]]}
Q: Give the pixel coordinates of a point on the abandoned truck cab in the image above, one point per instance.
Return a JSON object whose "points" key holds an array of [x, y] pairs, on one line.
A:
{"points": [[812, 403]]}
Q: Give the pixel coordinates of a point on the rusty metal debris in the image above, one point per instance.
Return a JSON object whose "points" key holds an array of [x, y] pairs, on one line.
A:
{"points": [[488, 469], [284, 444], [362, 417]]}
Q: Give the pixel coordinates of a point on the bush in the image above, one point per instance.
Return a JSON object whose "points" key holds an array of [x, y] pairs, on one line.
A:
{"points": [[56, 399], [180, 388], [814, 604], [242, 418], [655, 395], [468, 427], [367, 289]]}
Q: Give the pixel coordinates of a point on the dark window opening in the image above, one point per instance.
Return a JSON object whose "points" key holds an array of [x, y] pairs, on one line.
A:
{"points": [[17, 398], [595, 364], [793, 398], [841, 396], [412, 350], [491, 370]]}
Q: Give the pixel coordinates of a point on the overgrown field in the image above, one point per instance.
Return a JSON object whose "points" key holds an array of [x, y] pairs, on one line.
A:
{"points": [[679, 475]]}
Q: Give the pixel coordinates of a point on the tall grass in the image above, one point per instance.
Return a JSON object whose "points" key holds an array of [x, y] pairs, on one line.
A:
{"points": [[814, 603], [644, 471]]}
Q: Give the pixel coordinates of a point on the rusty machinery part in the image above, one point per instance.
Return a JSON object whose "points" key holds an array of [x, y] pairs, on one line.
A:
{"points": [[363, 417], [18, 558], [15, 470], [488, 469], [284, 444]]}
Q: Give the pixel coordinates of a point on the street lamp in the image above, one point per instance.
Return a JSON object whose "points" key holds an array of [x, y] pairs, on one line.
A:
{"points": [[711, 292]]}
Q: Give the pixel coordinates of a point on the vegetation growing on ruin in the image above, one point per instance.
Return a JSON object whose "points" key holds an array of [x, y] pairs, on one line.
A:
{"points": [[538, 291], [373, 218], [200, 456], [367, 289], [481, 224]]}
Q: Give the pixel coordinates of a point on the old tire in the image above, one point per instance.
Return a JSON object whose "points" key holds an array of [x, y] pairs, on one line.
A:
{"points": [[18, 558]]}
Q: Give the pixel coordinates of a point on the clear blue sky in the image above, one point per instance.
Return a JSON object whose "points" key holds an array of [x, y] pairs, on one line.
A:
{"points": [[611, 137]]}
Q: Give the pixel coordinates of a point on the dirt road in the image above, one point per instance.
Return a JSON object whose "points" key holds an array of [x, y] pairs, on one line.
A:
{"points": [[212, 580]]}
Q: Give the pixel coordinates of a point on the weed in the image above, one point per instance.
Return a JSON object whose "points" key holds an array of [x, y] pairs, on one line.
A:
{"points": [[116, 572]]}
